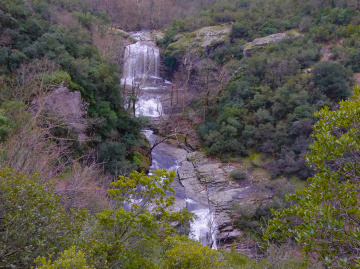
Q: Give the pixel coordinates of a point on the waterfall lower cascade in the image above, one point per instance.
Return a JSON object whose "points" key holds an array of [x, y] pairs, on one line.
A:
{"points": [[141, 75], [204, 228]]}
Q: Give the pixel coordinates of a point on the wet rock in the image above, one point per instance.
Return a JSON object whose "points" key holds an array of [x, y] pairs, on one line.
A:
{"points": [[223, 219], [195, 190], [179, 205]]}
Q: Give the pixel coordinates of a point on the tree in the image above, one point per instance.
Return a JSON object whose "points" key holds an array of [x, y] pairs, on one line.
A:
{"points": [[325, 217], [142, 213], [32, 220], [69, 259], [332, 79]]}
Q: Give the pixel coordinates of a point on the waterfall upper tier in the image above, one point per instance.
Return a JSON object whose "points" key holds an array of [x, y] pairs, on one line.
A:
{"points": [[141, 68]]}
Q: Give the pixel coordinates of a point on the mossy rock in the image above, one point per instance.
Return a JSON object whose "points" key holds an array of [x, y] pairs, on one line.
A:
{"points": [[200, 40], [141, 161], [257, 43]]}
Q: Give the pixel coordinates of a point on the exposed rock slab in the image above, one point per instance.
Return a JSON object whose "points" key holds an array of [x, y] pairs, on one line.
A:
{"points": [[207, 181], [195, 190], [228, 234], [66, 105], [186, 171], [202, 40], [250, 47]]}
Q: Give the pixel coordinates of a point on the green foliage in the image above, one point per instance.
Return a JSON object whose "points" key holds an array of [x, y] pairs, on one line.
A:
{"points": [[69, 259], [172, 63], [238, 174], [276, 96], [33, 35], [268, 108], [5, 128], [112, 154], [331, 78], [186, 253], [142, 212], [85, 19], [253, 218], [240, 30], [325, 216], [141, 161], [32, 220], [57, 78]]}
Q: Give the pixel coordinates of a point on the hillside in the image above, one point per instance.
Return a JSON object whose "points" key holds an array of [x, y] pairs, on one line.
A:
{"points": [[260, 96], [260, 85]]}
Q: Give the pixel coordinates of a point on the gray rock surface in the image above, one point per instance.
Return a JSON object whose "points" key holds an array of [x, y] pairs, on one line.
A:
{"points": [[207, 181], [199, 41], [263, 41], [208, 36], [65, 105]]}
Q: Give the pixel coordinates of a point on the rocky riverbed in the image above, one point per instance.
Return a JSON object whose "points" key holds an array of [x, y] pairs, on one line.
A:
{"points": [[209, 181]]}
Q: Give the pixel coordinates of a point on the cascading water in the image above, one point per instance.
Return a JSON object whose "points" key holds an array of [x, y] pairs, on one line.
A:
{"points": [[204, 229], [141, 66], [141, 77], [141, 74]]}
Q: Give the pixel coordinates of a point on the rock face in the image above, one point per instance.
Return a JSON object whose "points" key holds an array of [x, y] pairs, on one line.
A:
{"points": [[65, 105], [158, 35], [200, 41], [257, 43], [209, 182]]}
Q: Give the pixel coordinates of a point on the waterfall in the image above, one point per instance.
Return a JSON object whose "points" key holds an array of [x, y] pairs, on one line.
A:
{"points": [[141, 67], [204, 228], [141, 77]]}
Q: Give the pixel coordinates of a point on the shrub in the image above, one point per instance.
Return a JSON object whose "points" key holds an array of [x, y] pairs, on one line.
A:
{"points": [[332, 79], [238, 174], [32, 220]]}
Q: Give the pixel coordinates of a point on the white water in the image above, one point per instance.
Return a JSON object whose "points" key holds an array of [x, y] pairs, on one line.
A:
{"points": [[204, 227], [149, 106], [141, 71], [141, 64]]}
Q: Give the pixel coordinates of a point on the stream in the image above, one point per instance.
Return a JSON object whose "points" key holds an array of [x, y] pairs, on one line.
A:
{"points": [[141, 75]]}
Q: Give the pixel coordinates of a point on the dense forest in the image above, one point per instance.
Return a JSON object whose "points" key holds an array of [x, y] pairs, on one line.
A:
{"points": [[73, 188]]}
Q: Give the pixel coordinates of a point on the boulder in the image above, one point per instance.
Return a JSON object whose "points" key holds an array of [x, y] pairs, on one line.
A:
{"points": [[158, 35]]}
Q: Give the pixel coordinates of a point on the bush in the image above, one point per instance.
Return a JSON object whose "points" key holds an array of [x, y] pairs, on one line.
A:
{"points": [[240, 30], [238, 174], [332, 79], [32, 220]]}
